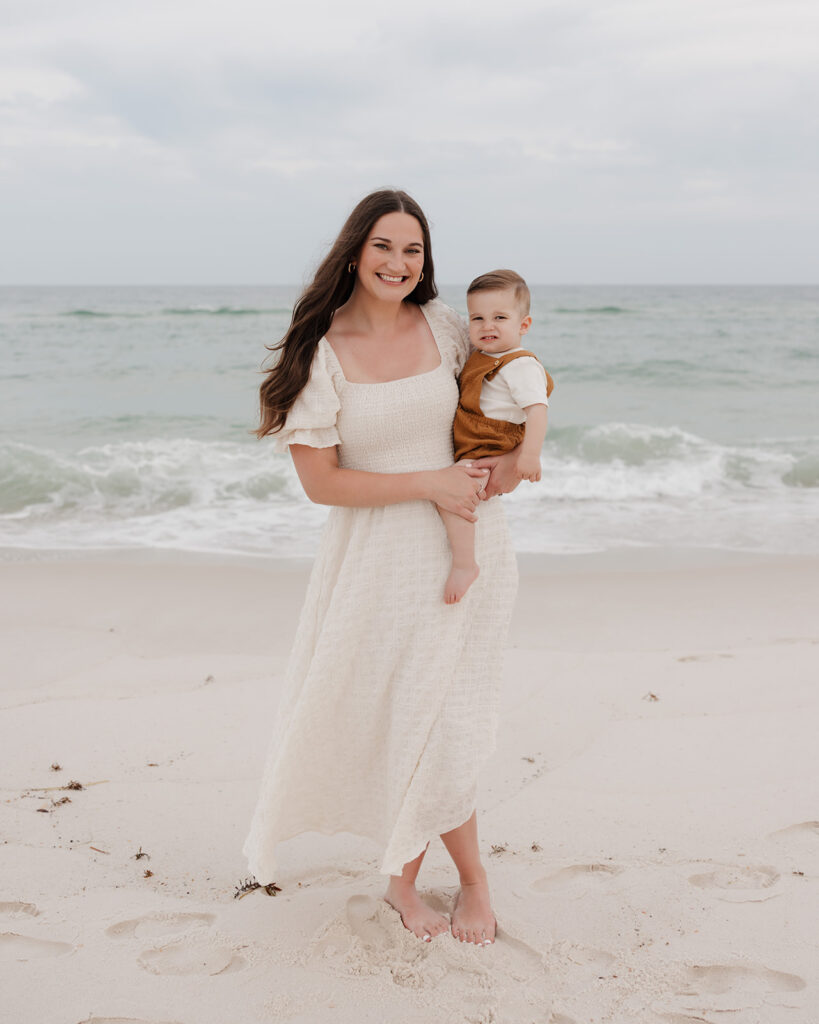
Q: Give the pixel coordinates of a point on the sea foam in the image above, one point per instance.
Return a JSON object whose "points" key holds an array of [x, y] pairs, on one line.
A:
{"points": [[630, 479]]}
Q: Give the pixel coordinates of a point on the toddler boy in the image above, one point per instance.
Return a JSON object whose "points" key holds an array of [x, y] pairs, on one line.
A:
{"points": [[503, 402]]}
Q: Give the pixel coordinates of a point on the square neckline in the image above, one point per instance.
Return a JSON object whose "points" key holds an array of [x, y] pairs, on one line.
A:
{"points": [[394, 380]]}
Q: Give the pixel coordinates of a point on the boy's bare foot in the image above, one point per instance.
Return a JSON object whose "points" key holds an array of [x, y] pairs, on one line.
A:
{"points": [[458, 582], [416, 916], [472, 917]]}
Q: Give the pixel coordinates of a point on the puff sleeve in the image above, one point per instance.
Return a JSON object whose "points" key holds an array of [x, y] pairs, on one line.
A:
{"points": [[312, 417], [451, 332]]}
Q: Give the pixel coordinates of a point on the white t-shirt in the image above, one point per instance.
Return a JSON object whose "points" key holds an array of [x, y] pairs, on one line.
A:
{"points": [[520, 383]]}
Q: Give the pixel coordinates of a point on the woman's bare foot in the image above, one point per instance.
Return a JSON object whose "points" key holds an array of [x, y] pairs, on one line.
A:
{"points": [[472, 917], [458, 582], [416, 916]]}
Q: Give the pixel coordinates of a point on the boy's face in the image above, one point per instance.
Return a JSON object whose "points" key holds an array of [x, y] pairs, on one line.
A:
{"points": [[496, 321]]}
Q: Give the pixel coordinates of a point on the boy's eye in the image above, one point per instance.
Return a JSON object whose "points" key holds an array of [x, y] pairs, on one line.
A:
{"points": [[500, 317]]}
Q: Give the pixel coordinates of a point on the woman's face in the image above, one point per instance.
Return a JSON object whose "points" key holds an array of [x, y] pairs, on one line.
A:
{"points": [[392, 258]]}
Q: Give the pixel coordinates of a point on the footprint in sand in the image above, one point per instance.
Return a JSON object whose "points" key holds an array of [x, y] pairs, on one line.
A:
{"points": [[578, 966], [14, 946], [155, 926], [740, 884], [799, 842], [804, 829], [332, 879], [723, 988], [186, 956], [684, 1018], [703, 657], [575, 874], [505, 983], [124, 1020], [26, 947], [190, 948], [16, 909]]}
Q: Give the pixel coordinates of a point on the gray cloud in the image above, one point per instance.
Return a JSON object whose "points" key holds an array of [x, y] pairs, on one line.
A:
{"points": [[587, 141]]}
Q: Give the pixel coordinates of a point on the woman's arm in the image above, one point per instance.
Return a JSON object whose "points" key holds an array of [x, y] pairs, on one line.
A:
{"points": [[455, 488]]}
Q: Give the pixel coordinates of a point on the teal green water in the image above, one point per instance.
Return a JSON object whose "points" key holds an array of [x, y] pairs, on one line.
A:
{"points": [[680, 415]]}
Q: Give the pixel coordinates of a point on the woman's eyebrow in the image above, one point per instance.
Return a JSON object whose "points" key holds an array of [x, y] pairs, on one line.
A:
{"points": [[379, 238]]}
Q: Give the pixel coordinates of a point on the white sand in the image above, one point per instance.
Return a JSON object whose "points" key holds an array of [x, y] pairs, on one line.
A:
{"points": [[654, 859]]}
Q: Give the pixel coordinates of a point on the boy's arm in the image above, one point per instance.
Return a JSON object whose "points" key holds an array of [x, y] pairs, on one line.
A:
{"points": [[528, 462]]}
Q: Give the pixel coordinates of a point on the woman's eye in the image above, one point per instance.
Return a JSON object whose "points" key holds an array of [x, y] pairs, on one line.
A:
{"points": [[380, 245]]}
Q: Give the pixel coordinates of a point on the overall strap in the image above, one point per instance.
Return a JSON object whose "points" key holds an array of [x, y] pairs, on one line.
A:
{"points": [[498, 362]]}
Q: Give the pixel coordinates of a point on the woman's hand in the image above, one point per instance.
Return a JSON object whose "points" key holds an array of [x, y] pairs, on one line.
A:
{"points": [[457, 489], [454, 489], [504, 476]]}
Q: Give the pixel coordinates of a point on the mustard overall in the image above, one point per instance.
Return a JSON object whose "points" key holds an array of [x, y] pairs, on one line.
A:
{"points": [[474, 434]]}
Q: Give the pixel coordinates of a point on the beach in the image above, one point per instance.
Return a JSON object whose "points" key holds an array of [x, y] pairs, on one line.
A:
{"points": [[207, 239], [648, 819]]}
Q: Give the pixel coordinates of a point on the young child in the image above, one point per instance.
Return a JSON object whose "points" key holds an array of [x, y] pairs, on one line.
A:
{"points": [[504, 397]]}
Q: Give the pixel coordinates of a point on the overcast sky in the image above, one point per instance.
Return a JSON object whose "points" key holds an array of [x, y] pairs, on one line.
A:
{"points": [[186, 141]]}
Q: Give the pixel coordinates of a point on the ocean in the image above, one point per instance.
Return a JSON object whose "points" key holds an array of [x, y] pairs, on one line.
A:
{"points": [[682, 417]]}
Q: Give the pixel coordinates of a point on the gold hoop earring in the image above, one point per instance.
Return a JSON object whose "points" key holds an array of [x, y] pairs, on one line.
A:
{"points": [[351, 267], [421, 278]]}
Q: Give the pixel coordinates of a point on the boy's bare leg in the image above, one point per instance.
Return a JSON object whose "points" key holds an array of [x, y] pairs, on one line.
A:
{"points": [[416, 916], [472, 918], [464, 571]]}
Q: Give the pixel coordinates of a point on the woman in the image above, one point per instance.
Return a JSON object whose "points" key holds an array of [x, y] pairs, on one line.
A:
{"points": [[390, 700]]}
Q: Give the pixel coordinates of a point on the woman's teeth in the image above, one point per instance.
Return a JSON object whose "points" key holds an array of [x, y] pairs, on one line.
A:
{"points": [[392, 280]]}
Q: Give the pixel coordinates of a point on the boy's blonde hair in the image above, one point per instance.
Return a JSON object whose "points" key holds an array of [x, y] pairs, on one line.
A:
{"points": [[500, 280]]}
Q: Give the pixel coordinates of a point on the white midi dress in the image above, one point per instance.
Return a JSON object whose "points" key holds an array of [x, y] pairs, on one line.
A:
{"points": [[390, 699]]}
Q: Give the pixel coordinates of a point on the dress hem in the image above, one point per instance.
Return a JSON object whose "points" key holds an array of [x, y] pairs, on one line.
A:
{"points": [[462, 818]]}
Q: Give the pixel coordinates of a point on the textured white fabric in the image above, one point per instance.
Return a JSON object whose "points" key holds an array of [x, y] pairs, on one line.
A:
{"points": [[390, 698], [312, 418], [515, 386]]}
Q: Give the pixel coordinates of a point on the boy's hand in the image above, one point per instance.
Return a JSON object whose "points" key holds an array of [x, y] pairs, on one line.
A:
{"points": [[528, 467]]}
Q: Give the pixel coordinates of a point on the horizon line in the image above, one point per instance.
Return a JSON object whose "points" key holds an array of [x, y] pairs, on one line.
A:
{"points": [[447, 284]]}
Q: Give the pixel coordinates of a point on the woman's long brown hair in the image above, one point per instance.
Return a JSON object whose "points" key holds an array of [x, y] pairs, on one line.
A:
{"points": [[330, 288]]}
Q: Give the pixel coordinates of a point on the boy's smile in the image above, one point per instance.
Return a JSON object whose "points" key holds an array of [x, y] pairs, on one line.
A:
{"points": [[495, 321]]}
